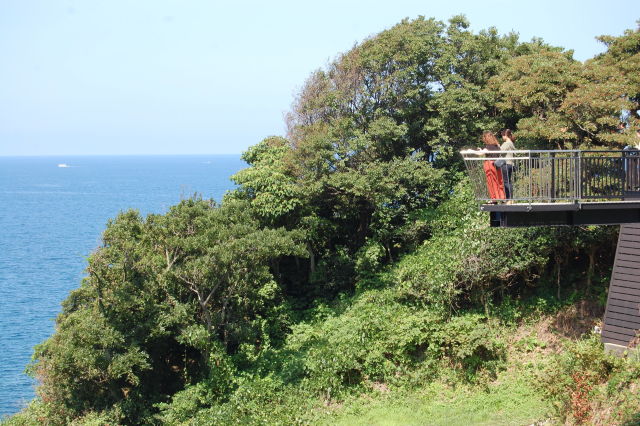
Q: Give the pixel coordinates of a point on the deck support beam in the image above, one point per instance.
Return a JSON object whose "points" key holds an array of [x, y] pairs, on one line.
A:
{"points": [[563, 214]]}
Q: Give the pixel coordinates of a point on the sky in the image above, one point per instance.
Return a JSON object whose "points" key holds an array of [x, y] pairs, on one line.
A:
{"points": [[124, 77]]}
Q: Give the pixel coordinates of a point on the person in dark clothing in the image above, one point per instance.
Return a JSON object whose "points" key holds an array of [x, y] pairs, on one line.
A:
{"points": [[631, 156], [508, 167]]}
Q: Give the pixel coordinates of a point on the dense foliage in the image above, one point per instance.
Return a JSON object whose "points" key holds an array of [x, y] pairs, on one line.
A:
{"points": [[351, 257]]}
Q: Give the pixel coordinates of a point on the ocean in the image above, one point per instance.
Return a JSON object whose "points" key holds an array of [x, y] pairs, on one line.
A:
{"points": [[52, 213]]}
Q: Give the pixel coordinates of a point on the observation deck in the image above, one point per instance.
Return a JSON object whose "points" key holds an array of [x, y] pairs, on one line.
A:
{"points": [[554, 188], [558, 187]]}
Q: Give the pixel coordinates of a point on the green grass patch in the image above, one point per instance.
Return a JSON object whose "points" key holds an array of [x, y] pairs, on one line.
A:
{"points": [[510, 400]]}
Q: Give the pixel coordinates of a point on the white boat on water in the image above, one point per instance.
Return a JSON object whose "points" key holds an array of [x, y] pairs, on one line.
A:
{"points": [[63, 165]]}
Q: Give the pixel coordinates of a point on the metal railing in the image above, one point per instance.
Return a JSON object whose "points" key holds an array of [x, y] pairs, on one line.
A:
{"points": [[555, 175]]}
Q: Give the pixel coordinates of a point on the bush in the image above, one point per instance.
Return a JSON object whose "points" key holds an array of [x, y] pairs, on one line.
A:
{"points": [[259, 401], [466, 260], [334, 273], [571, 380], [369, 259], [379, 339], [39, 412]]}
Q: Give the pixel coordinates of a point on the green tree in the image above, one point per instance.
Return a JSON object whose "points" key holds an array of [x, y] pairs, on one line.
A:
{"points": [[166, 302], [269, 183], [534, 87], [374, 137], [560, 102]]}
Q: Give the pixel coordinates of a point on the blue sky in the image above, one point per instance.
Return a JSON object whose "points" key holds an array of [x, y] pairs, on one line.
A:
{"points": [[213, 77]]}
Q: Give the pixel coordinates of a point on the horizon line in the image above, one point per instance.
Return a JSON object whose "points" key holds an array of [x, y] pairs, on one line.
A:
{"points": [[111, 155]]}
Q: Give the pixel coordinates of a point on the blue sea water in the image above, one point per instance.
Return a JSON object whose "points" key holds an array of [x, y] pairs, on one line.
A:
{"points": [[51, 218]]}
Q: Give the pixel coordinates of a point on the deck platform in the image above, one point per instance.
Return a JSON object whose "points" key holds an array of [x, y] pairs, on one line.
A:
{"points": [[567, 188]]}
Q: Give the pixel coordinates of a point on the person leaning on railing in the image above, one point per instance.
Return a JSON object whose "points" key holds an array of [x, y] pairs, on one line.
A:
{"points": [[508, 166], [495, 184]]}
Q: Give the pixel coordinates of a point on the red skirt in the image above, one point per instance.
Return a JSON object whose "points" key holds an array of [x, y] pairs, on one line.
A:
{"points": [[494, 181]]}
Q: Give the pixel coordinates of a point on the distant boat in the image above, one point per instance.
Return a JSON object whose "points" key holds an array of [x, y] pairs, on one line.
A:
{"points": [[63, 165]]}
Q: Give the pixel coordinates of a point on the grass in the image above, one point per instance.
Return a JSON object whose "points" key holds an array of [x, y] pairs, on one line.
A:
{"points": [[510, 400]]}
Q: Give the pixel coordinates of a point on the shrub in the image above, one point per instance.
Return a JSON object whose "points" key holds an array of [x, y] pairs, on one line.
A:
{"points": [[466, 260], [571, 378], [379, 339], [259, 401]]}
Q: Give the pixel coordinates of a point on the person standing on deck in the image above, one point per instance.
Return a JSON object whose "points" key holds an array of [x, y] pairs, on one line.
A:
{"points": [[508, 167], [631, 156], [494, 177]]}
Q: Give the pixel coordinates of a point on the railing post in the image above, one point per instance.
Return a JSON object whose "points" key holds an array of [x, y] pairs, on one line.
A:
{"points": [[579, 177], [553, 176], [530, 176]]}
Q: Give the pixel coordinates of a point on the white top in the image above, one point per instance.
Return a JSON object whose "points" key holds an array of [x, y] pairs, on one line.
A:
{"points": [[508, 146]]}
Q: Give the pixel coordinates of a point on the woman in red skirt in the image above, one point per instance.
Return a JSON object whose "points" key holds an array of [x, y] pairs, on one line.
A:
{"points": [[494, 176]]}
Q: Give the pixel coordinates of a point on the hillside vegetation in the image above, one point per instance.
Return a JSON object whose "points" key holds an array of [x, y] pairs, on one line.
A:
{"points": [[350, 277]]}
